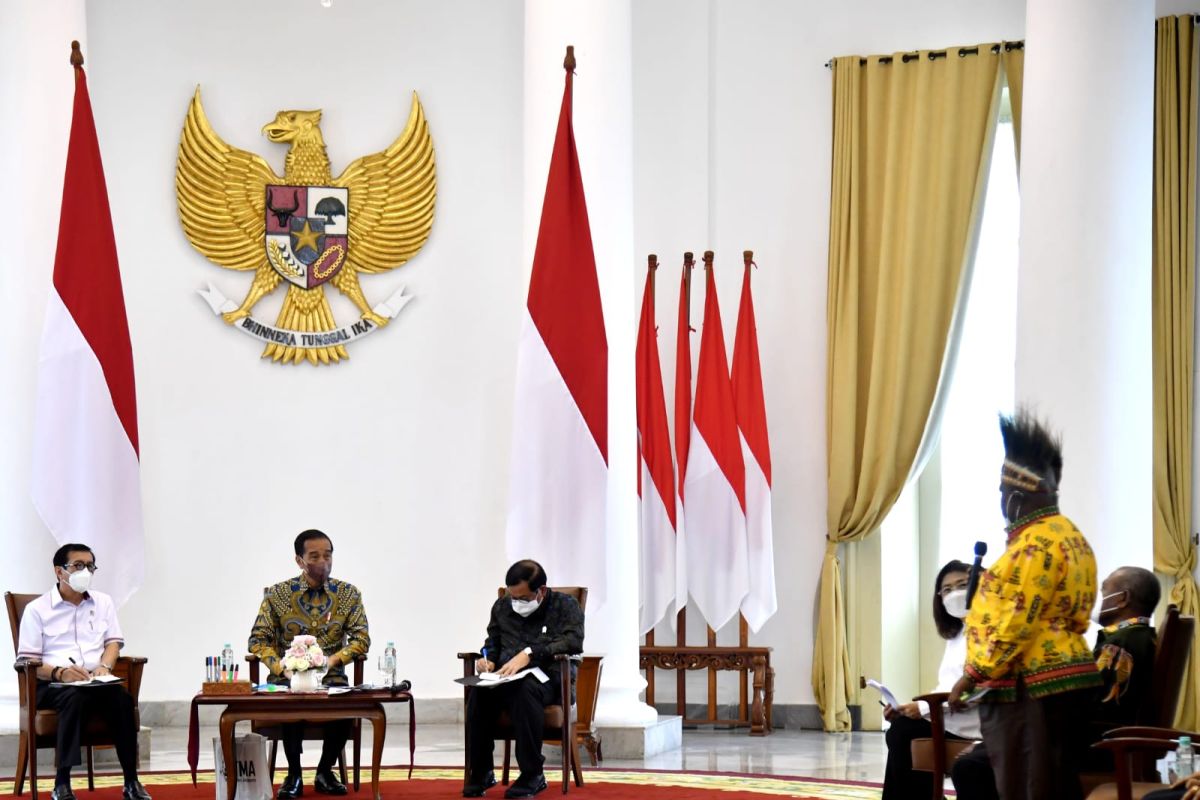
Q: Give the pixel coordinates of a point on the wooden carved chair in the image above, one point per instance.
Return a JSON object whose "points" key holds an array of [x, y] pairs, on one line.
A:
{"points": [[560, 727], [39, 728], [274, 733], [1135, 748], [587, 691]]}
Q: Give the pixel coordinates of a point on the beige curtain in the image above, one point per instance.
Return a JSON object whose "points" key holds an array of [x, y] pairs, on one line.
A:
{"points": [[910, 146], [1175, 104], [1013, 56]]}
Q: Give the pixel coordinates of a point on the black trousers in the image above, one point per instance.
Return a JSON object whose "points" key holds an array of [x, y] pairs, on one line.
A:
{"points": [[336, 734], [525, 701], [973, 776], [900, 780], [1036, 746], [75, 705]]}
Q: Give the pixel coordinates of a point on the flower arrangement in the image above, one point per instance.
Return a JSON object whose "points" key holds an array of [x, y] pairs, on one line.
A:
{"points": [[304, 654]]}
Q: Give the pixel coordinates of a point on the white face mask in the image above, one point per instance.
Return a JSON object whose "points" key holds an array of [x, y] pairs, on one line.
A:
{"points": [[1101, 610], [525, 607], [80, 581], [956, 603]]}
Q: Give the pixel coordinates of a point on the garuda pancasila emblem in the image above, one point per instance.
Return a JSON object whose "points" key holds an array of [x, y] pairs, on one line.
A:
{"points": [[306, 228]]}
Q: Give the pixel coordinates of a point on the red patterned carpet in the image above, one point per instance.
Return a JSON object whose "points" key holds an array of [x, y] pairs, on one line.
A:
{"points": [[440, 783]]}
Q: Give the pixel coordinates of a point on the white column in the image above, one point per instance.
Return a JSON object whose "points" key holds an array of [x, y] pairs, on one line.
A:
{"points": [[1083, 318], [37, 85], [601, 32]]}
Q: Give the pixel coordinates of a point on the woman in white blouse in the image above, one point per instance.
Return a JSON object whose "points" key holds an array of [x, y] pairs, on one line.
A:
{"points": [[900, 781]]}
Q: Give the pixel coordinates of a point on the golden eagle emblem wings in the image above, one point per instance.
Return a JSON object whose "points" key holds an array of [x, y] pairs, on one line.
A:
{"points": [[305, 228]]}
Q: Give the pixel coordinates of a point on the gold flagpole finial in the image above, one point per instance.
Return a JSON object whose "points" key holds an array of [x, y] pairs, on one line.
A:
{"points": [[569, 61], [76, 54]]}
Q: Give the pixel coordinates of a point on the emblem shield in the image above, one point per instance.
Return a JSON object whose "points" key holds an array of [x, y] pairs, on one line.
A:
{"points": [[307, 235]]}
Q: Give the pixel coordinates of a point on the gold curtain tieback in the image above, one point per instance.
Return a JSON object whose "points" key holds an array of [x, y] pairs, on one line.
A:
{"points": [[831, 546]]}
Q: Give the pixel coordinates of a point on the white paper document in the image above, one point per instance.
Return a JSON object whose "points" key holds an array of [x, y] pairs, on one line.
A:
{"points": [[96, 680], [489, 679], [888, 697]]}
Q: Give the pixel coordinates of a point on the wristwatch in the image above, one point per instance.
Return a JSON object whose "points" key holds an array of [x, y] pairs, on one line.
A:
{"points": [[528, 651]]}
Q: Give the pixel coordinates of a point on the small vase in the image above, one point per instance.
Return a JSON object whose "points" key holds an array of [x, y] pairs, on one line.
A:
{"points": [[306, 681]]}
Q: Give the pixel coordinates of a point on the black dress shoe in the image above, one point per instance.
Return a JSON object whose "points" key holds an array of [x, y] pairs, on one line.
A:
{"points": [[134, 791], [523, 787], [326, 783], [477, 789], [293, 787], [62, 792]]}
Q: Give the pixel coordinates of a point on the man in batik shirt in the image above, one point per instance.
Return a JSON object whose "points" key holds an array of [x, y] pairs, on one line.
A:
{"points": [[331, 610], [1026, 626]]}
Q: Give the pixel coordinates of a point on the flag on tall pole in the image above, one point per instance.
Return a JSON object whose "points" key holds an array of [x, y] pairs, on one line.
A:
{"points": [[760, 601], [683, 422], [558, 491], [715, 487], [656, 474], [85, 477]]}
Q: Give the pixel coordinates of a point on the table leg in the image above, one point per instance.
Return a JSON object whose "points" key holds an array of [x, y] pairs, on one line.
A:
{"points": [[378, 731], [758, 725], [227, 724]]}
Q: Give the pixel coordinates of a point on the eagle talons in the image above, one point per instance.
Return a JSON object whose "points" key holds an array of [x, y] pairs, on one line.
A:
{"points": [[232, 317], [376, 319]]}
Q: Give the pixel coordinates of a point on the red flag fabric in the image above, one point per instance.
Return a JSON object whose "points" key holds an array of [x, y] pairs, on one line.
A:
{"points": [[683, 379], [557, 501], [656, 474], [760, 601], [715, 505], [85, 478]]}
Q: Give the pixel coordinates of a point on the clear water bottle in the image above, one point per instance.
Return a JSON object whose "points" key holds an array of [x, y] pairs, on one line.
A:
{"points": [[1185, 759], [227, 657], [387, 664]]}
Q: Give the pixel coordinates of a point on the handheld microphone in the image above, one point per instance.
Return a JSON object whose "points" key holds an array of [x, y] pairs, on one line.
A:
{"points": [[973, 576]]}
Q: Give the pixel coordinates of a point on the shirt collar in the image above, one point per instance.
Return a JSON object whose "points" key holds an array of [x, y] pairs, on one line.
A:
{"points": [[324, 587], [1127, 623], [56, 596]]}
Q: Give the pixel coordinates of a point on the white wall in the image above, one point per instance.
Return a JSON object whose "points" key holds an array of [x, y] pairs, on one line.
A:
{"points": [[403, 453]]}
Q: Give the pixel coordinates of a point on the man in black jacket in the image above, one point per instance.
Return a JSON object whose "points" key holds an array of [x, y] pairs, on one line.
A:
{"points": [[529, 626]]}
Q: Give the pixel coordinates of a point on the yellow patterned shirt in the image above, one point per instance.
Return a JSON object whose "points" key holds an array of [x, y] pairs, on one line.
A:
{"points": [[333, 613], [1032, 609]]}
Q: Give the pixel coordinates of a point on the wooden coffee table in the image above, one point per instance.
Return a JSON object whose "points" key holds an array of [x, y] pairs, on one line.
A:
{"points": [[280, 707]]}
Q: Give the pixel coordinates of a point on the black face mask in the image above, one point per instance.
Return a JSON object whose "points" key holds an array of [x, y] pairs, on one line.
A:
{"points": [[317, 573]]}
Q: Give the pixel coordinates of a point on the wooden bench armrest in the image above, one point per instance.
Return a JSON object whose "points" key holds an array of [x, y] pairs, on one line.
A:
{"points": [[1145, 732], [27, 664], [933, 698]]}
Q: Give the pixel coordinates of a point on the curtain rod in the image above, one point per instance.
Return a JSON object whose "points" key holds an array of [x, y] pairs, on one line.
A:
{"points": [[934, 55]]}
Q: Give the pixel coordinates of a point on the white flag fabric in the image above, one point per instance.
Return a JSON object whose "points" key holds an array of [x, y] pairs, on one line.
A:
{"points": [[85, 475], [557, 500]]}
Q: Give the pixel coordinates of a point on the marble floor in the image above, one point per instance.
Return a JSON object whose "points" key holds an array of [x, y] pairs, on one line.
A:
{"points": [[843, 756]]}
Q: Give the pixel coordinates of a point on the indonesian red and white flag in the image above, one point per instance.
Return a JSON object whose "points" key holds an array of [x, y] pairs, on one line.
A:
{"points": [[656, 474], [715, 486], [85, 481], [683, 429], [557, 500], [760, 601]]}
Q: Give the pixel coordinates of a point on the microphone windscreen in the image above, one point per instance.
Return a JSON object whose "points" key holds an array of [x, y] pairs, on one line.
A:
{"points": [[981, 549]]}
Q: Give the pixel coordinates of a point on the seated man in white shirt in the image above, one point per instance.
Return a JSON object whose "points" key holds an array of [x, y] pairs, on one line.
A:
{"points": [[75, 633]]}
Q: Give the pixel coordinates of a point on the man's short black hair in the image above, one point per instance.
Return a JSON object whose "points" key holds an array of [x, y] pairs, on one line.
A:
{"points": [[1142, 586], [528, 571], [311, 533], [60, 555]]}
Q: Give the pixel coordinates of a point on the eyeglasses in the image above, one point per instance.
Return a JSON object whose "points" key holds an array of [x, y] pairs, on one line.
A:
{"points": [[949, 588], [76, 566]]}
